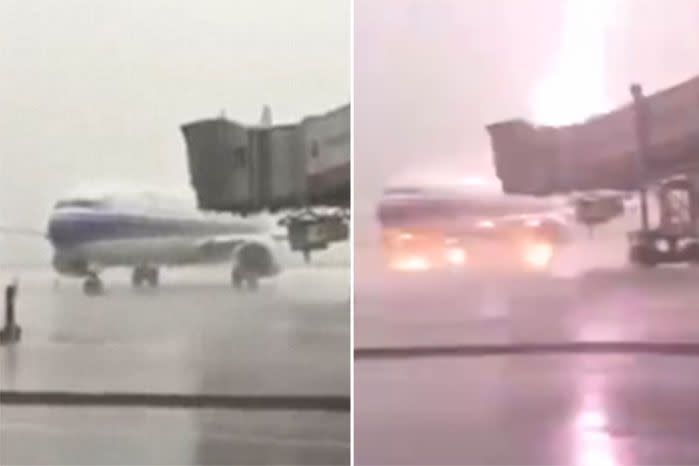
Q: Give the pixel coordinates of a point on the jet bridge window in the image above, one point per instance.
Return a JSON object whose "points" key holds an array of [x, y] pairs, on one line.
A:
{"points": [[399, 191], [240, 157], [85, 203]]}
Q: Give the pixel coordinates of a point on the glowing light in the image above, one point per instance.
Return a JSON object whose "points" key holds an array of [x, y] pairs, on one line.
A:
{"points": [[595, 446], [473, 181], [411, 264], [596, 449], [576, 87], [538, 255], [533, 222], [456, 256], [592, 419], [486, 224], [405, 236]]}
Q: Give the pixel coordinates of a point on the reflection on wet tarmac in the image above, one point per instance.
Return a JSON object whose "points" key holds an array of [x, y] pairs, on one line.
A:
{"points": [[194, 335], [548, 410], [55, 435], [593, 442], [611, 306], [591, 409]]}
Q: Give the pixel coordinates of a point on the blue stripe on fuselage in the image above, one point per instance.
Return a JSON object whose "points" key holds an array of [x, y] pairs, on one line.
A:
{"points": [[75, 228]]}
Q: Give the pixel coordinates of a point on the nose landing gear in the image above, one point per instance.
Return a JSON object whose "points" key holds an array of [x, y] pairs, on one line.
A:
{"points": [[93, 286]]}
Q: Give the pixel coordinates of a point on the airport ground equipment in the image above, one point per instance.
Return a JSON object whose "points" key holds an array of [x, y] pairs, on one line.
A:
{"points": [[650, 145], [11, 332], [300, 170], [310, 231], [675, 238], [593, 209]]}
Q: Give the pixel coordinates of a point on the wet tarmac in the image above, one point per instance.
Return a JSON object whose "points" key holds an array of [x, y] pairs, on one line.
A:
{"points": [[119, 436], [544, 410], [577, 399], [194, 337]]}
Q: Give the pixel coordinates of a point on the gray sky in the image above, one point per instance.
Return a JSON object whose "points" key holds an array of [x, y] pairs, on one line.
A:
{"points": [[429, 75], [94, 91]]}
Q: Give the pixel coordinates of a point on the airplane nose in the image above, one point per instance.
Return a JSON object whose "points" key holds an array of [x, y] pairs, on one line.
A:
{"points": [[71, 229], [61, 230], [54, 232]]}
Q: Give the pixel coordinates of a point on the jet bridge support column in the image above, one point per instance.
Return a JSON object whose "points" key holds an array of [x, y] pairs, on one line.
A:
{"points": [[11, 332], [642, 137], [675, 239]]}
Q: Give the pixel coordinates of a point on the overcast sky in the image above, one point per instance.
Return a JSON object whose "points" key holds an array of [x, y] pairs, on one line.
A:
{"points": [[94, 91], [429, 75]]}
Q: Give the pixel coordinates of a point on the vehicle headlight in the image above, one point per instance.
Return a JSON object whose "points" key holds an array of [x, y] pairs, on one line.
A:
{"points": [[486, 224], [538, 255], [411, 264], [456, 256]]}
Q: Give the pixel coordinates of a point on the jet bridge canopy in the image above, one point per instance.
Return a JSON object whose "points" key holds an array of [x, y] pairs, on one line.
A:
{"points": [[601, 153], [236, 168]]}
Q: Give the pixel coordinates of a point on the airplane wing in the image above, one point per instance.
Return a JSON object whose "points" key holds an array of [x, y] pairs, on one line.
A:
{"points": [[9, 230], [227, 243], [552, 225], [590, 209], [219, 243]]}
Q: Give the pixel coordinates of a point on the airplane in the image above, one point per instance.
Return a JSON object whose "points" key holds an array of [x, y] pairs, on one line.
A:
{"points": [[470, 224], [145, 232]]}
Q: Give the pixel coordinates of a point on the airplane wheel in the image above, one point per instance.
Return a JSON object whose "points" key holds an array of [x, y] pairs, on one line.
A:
{"points": [[240, 278], [137, 277], [691, 254], [643, 255], [93, 286], [253, 282], [236, 279], [153, 277]]}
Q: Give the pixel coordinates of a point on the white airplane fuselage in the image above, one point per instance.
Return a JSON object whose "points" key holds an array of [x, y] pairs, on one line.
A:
{"points": [[89, 235], [426, 228], [466, 208]]}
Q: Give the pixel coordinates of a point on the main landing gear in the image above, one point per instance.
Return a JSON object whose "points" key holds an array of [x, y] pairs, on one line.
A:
{"points": [[145, 275], [240, 277]]}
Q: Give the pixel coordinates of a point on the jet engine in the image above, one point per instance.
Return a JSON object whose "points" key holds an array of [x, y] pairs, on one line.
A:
{"points": [[256, 258], [70, 266], [252, 261], [550, 229]]}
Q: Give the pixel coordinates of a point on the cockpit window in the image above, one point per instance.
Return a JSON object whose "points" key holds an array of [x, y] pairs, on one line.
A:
{"points": [[402, 191], [85, 203]]}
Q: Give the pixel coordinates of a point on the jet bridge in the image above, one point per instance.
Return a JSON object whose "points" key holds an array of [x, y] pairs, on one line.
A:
{"points": [[301, 170], [648, 145]]}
